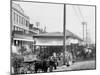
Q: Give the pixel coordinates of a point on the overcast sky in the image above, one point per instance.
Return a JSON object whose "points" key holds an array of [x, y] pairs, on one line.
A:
{"points": [[51, 16]]}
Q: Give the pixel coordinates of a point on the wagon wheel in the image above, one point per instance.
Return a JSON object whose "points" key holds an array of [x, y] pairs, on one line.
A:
{"points": [[32, 68], [23, 70], [26, 68]]}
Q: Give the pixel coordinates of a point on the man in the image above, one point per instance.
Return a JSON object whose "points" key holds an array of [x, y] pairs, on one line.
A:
{"points": [[68, 58]]}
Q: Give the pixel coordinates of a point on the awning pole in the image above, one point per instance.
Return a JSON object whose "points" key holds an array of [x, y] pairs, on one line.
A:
{"points": [[64, 32]]}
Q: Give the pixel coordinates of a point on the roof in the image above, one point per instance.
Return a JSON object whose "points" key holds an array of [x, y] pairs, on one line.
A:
{"points": [[18, 7], [51, 34], [58, 34]]}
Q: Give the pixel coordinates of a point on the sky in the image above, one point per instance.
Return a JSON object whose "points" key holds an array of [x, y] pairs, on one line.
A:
{"points": [[51, 16]]}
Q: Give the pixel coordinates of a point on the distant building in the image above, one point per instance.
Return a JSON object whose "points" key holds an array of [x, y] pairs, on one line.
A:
{"points": [[21, 32], [36, 29], [33, 30]]}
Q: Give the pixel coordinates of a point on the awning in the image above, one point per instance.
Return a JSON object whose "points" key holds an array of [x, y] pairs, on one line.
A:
{"points": [[48, 45], [30, 40]]}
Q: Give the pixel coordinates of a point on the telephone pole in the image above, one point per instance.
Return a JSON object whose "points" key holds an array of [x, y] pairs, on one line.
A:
{"points": [[64, 32], [86, 34], [84, 24]]}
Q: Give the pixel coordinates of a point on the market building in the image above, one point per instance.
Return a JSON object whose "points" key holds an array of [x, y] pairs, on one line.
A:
{"points": [[54, 40]]}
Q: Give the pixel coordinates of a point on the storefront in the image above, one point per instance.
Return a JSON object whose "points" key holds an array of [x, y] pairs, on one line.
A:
{"points": [[23, 40]]}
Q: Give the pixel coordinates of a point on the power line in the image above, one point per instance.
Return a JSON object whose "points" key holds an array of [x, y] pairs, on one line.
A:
{"points": [[81, 13], [79, 18], [76, 13], [82, 21]]}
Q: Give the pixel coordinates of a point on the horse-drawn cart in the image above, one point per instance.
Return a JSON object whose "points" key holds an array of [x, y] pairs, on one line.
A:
{"points": [[27, 67]]}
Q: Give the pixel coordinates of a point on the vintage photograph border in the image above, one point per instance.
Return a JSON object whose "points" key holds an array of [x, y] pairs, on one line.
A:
{"points": [[63, 30]]}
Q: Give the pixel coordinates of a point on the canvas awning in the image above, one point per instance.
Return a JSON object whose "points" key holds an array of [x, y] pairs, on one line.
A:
{"points": [[23, 37], [30, 40]]}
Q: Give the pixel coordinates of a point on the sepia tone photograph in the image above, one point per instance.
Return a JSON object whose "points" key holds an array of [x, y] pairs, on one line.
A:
{"points": [[52, 37]]}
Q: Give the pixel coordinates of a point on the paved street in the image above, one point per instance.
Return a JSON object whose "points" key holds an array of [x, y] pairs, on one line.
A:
{"points": [[78, 65]]}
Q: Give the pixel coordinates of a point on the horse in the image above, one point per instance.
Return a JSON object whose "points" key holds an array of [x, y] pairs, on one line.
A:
{"points": [[45, 65], [42, 64]]}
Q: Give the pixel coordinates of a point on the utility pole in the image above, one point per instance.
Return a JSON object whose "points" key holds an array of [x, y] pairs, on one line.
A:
{"points": [[84, 24], [86, 34], [64, 32]]}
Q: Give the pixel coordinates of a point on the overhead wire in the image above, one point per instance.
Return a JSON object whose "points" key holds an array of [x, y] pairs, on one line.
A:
{"points": [[81, 14], [79, 19]]}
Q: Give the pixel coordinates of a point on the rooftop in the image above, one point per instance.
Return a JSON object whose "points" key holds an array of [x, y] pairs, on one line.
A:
{"points": [[58, 34]]}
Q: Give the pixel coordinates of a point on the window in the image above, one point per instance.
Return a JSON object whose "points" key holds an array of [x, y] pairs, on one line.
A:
{"points": [[12, 28], [21, 43], [24, 31], [14, 17], [27, 23], [24, 22], [18, 29], [21, 20], [17, 18], [16, 42], [15, 28]]}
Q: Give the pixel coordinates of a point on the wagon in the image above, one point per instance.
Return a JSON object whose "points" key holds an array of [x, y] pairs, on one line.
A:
{"points": [[28, 66]]}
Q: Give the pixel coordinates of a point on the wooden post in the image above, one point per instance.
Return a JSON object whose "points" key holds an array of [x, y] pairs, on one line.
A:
{"points": [[64, 33]]}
